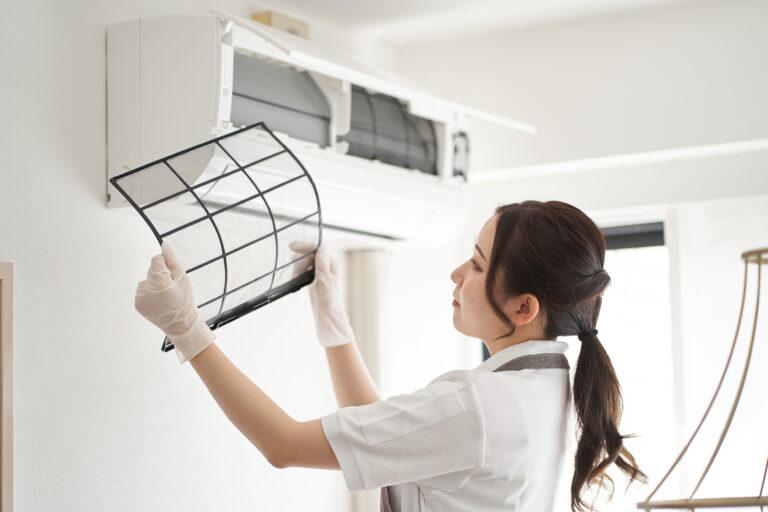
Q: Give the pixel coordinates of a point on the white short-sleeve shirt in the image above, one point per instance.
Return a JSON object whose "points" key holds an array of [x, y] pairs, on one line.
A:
{"points": [[470, 440]]}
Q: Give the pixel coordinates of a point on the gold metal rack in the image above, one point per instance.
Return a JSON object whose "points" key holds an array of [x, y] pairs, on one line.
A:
{"points": [[758, 257]]}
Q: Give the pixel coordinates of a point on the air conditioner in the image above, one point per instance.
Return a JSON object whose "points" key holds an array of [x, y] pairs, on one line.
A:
{"points": [[389, 162]]}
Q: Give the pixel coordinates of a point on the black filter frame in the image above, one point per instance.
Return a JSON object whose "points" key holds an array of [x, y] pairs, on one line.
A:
{"points": [[307, 274]]}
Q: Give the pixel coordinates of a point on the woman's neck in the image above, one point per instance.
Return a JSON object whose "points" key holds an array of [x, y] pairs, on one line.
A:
{"points": [[520, 335]]}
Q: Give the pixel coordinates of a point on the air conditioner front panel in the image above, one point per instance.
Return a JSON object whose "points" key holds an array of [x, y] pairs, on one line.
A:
{"points": [[183, 91]]}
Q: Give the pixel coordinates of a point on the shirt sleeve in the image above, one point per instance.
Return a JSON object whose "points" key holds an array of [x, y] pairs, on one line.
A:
{"points": [[437, 430]]}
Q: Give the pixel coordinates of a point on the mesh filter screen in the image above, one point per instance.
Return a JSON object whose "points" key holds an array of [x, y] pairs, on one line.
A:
{"points": [[231, 207]]}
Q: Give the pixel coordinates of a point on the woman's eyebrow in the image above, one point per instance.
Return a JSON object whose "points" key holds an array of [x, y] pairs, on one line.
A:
{"points": [[481, 252]]}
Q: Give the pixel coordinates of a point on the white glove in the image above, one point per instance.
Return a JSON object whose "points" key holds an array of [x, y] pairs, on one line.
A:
{"points": [[165, 299], [331, 320]]}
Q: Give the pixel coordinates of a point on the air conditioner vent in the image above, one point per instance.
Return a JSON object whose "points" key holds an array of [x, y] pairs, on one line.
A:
{"points": [[383, 129], [283, 98]]}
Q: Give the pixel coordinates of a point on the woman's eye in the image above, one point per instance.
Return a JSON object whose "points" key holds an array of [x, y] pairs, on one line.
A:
{"points": [[474, 265]]}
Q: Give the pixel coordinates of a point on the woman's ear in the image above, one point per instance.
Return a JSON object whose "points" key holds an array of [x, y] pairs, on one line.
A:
{"points": [[522, 309]]}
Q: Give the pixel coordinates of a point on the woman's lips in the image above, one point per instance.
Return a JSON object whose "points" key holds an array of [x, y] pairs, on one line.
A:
{"points": [[455, 304]]}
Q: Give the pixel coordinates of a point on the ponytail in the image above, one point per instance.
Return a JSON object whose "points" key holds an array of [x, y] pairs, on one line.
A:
{"points": [[598, 404], [556, 252]]}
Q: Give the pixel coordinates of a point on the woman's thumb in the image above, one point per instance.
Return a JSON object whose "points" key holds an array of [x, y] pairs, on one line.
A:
{"points": [[325, 262], [173, 262]]}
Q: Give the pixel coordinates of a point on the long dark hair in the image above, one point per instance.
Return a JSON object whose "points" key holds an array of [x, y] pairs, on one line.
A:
{"points": [[555, 252]]}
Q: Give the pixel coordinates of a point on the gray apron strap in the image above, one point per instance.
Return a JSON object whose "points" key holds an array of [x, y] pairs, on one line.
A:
{"points": [[529, 362], [535, 361], [385, 507]]}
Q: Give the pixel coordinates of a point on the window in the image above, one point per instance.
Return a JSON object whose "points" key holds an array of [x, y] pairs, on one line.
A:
{"points": [[635, 330]]}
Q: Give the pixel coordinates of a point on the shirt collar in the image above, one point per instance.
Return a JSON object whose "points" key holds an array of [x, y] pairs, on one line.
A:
{"points": [[522, 349]]}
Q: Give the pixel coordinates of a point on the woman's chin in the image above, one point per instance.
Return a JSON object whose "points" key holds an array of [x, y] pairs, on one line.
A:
{"points": [[457, 324]]}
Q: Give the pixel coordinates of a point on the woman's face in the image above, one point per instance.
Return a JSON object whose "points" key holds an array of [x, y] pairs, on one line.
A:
{"points": [[472, 313]]}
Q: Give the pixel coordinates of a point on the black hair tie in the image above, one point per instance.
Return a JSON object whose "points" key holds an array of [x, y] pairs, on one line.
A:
{"points": [[587, 336]]}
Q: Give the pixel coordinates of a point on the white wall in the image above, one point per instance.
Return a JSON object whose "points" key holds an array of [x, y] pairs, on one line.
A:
{"points": [[614, 98], [688, 75]]}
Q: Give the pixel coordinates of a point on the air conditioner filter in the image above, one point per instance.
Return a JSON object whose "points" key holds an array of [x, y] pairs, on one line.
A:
{"points": [[231, 207]]}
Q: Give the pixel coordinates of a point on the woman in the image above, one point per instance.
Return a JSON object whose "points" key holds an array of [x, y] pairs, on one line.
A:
{"points": [[487, 439]]}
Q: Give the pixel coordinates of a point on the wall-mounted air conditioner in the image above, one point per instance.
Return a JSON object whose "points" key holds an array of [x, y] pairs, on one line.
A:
{"points": [[389, 162]]}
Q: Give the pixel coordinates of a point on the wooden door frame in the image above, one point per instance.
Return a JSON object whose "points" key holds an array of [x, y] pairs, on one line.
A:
{"points": [[6, 385]]}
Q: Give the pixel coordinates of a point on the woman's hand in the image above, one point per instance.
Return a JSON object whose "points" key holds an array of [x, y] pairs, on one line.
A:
{"points": [[325, 294], [165, 299]]}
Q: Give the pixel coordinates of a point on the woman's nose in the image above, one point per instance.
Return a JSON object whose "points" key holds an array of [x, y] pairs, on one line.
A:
{"points": [[455, 275]]}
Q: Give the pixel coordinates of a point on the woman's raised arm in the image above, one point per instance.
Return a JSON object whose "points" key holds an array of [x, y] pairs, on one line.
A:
{"points": [[352, 381], [165, 298]]}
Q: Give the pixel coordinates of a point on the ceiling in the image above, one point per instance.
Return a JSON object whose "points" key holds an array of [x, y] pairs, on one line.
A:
{"points": [[402, 22]]}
